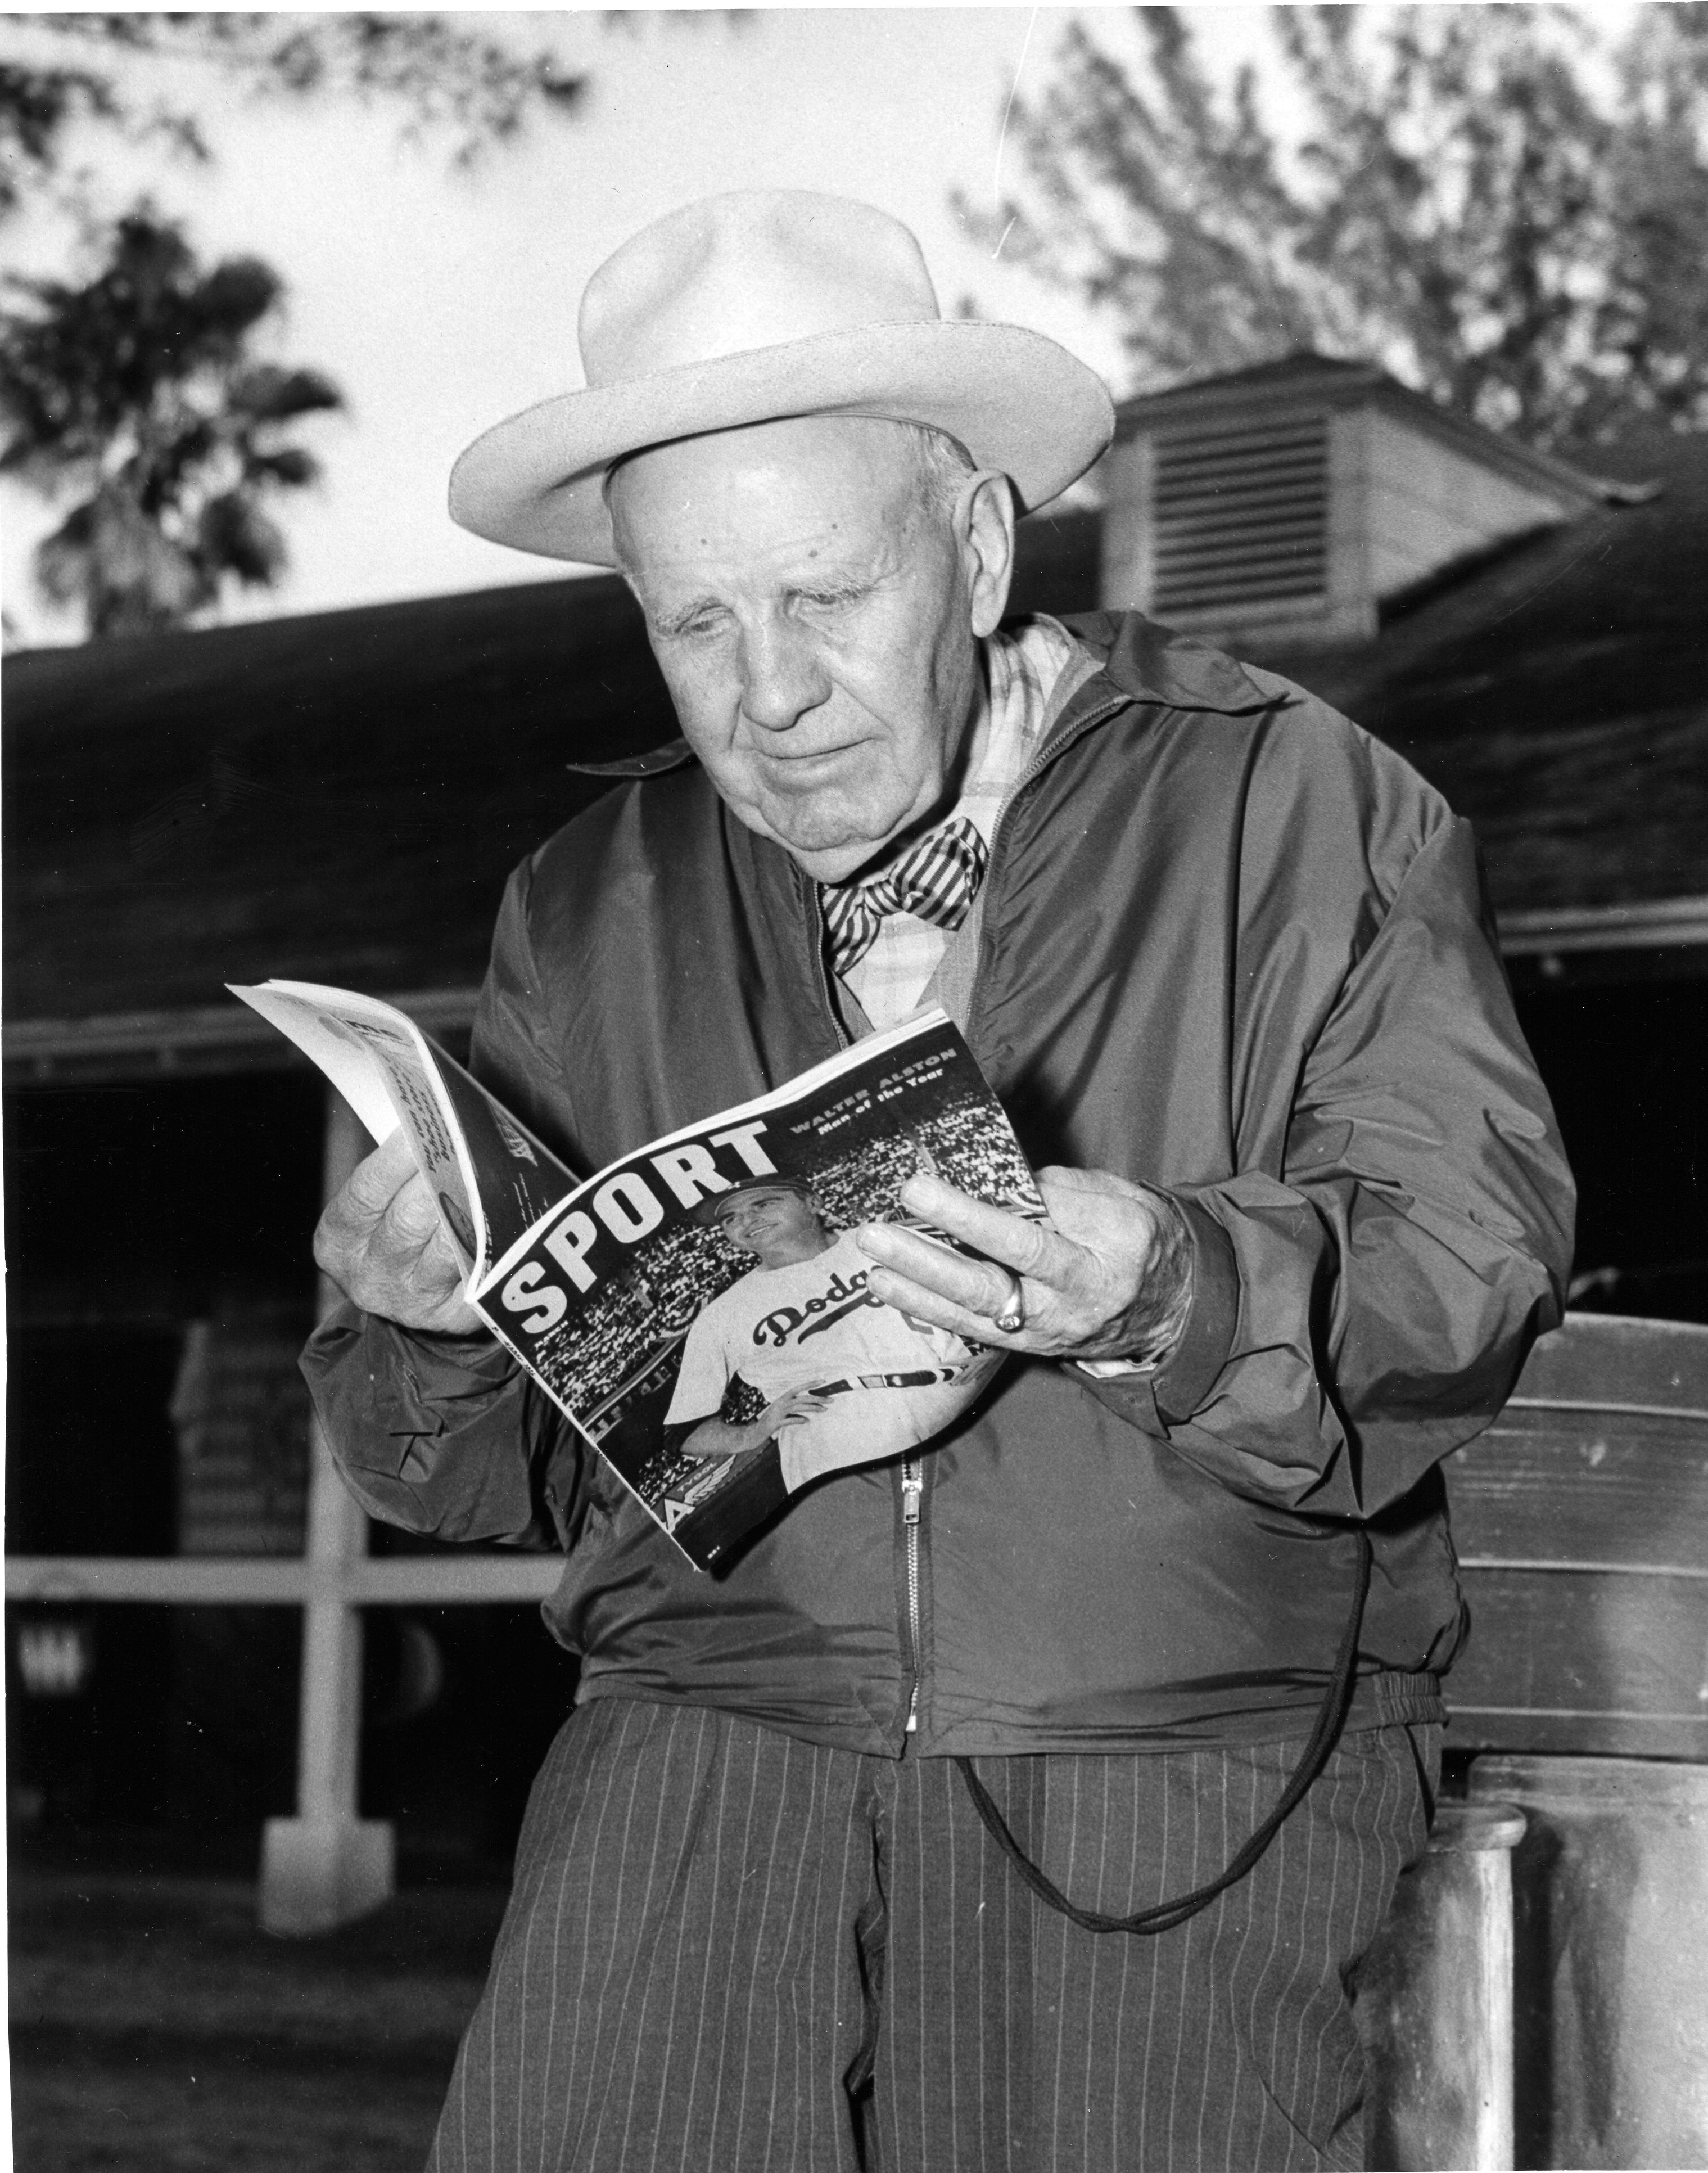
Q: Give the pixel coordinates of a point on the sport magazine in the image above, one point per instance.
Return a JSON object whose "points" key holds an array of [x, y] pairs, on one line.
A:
{"points": [[700, 1309]]}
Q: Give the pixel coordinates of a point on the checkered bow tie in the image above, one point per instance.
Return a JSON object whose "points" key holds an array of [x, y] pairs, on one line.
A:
{"points": [[936, 881]]}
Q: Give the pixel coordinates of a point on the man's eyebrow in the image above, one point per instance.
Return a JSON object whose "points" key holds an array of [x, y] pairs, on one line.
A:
{"points": [[859, 574], [673, 619]]}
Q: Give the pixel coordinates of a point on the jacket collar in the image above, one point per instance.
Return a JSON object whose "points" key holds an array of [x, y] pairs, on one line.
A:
{"points": [[1137, 659], [672, 755], [1148, 663]]}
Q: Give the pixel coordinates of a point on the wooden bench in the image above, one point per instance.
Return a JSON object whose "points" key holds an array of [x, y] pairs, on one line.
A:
{"points": [[1580, 1519]]}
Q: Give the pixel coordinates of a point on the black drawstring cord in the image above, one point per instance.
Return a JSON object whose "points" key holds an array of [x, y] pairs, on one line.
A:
{"points": [[1167, 1915]]}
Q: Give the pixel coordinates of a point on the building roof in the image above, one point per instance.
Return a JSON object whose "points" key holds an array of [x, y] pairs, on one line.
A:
{"points": [[1326, 382], [332, 797], [1303, 370], [1558, 693], [340, 796]]}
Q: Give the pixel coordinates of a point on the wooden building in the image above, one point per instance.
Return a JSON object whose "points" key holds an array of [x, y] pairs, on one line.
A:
{"points": [[340, 796]]}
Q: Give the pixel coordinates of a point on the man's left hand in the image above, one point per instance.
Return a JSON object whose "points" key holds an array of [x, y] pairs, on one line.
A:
{"points": [[1109, 1275]]}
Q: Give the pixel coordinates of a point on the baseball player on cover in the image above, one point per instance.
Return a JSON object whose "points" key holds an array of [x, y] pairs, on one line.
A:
{"points": [[836, 1377]]}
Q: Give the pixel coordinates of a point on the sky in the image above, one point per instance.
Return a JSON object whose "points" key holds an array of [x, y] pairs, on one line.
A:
{"points": [[442, 301]]}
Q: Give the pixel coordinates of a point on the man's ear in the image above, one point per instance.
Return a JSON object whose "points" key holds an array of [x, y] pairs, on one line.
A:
{"points": [[987, 510]]}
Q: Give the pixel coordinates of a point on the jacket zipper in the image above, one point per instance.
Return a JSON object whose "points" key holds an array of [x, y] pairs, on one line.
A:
{"points": [[913, 1476], [912, 1473], [913, 1502]]}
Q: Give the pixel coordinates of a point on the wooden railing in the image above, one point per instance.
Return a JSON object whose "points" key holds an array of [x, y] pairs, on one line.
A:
{"points": [[326, 1864]]}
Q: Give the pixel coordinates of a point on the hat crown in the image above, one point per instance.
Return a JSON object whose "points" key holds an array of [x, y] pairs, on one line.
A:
{"points": [[748, 270], [753, 306]]}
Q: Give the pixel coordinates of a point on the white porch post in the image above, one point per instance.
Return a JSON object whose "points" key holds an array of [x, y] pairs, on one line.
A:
{"points": [[326, 1866]]}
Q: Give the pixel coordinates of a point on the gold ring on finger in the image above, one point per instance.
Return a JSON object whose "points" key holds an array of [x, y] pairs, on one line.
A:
{"points": [[1012, 1317]]}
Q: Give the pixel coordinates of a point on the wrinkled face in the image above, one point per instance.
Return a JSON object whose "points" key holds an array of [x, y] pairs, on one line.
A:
{"points": [[773, 1222], [816, 623]]}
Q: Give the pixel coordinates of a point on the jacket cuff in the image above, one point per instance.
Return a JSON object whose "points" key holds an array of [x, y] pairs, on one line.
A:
{"points": [[449, 1358], [1182, 1382]]}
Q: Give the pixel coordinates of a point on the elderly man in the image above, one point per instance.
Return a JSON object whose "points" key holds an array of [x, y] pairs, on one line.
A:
{"points": [[1006, 1805]]}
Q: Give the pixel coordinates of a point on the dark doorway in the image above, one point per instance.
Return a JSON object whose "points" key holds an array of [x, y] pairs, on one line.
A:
{"points": [[1626, 1062]]}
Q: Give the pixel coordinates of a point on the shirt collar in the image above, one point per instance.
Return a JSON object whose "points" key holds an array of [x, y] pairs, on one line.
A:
{"points": [[1027, 670]]}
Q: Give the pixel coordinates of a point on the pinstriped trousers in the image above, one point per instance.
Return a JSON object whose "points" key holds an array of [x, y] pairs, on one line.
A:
{"points": [[728, 1949]]}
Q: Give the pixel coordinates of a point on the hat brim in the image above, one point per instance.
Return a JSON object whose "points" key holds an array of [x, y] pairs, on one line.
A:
{"points": [[1018, 401]]}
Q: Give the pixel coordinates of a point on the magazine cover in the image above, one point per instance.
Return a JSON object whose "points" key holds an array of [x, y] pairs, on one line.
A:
{"points": [[685, 1292], [700, 1309]]}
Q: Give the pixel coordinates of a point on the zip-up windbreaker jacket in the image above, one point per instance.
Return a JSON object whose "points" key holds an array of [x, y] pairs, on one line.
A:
{"points": [[1229, 946]]}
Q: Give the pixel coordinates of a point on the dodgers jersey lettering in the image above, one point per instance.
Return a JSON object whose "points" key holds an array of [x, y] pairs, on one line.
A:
{"points": [[813, 1325]]}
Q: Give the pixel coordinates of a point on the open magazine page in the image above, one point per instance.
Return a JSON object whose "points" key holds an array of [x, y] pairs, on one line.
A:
{"points": [[492, 1178], [320, 1021], [645, 1306], [516, 1179]]}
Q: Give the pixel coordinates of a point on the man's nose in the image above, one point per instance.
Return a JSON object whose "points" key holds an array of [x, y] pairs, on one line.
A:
{"points": [[782, 675]]}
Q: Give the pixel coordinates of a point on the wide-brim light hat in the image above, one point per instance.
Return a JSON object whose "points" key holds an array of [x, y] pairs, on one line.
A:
{"points": [[754, 306]]}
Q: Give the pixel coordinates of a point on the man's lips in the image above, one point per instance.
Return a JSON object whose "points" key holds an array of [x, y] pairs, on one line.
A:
{"points": [[794, 762]]}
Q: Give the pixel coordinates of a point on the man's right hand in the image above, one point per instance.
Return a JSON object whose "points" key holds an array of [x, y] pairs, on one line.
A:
{"points": [[382, 1243]]}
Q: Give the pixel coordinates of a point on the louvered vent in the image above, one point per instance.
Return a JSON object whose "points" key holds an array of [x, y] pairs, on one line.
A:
{"points": [[1241, 517]]}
